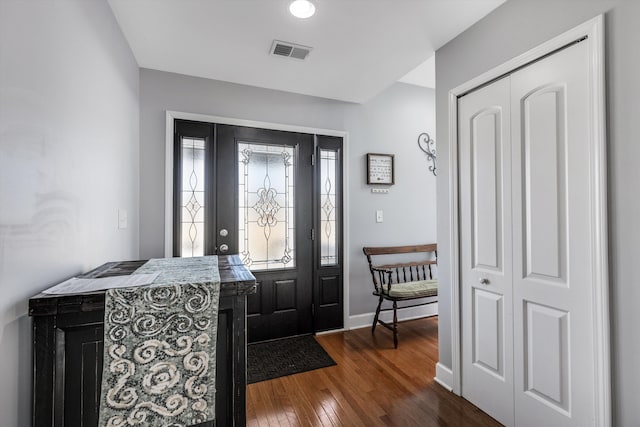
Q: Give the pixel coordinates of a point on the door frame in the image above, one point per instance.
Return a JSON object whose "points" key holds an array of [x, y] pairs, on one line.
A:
{"points": [[170, 118], [593, 31]]}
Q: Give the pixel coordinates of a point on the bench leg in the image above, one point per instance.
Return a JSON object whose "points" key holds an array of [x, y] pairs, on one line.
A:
{"points": [[375, 318], [395, 324]]}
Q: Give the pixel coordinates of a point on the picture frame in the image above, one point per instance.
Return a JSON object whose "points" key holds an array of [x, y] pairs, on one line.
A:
{"points": [[380, 169]]}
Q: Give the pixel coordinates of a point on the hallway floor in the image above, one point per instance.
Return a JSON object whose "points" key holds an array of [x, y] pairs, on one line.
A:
{"points": [[372, 385]]}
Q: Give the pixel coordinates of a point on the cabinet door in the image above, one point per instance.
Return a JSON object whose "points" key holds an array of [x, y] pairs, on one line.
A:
{"points": [[68, 355], [82, 373], [485, 227]]}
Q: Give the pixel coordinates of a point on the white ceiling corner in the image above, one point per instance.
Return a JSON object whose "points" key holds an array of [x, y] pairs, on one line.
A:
{"points": [[423, 75], [359, 46]]}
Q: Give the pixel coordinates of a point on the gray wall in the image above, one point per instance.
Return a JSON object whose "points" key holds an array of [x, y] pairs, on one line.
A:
{"points": [[510, 30], [69, 126], [389, 123]]}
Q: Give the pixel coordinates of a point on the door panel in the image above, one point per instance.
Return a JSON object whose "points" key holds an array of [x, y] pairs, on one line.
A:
{"points": [[486, 188], [554, 349], [485, 207], [265, 200], [285, 297], [488, 331], [544, 167], [329, 291], [546, 350]]}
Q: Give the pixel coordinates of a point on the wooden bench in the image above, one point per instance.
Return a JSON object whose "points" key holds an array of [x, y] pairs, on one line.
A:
{"points": [[402, 281]]}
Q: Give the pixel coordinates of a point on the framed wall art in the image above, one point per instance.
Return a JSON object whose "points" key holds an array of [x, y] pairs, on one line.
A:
{"points": [[380, 169]]}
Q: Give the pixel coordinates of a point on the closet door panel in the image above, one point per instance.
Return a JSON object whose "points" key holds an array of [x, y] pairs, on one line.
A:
{"points": [[485, 207], [547, 350], [486, 189], [552, 283], [488, 332], [544, 167]]}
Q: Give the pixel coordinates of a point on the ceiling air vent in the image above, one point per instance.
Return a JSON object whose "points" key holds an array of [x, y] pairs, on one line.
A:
{"points": [[290, 50]]}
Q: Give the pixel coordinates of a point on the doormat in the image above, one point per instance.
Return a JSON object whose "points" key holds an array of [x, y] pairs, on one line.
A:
{"points": [[286, 356]]}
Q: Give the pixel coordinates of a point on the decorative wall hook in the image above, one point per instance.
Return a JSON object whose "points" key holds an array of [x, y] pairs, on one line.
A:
{"points": [[428, 145]]}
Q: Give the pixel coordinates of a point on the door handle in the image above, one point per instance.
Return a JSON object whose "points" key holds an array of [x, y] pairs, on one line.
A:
{"points": [[223, 248], [484, 281]]}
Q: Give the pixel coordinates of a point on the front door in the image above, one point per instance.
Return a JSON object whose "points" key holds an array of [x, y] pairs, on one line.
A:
{"points": [[252, 192]]}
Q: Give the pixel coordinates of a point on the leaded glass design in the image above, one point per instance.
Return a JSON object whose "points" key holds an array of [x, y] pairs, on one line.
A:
{"points": [[328, 206], [192, 197], [266, 206]]}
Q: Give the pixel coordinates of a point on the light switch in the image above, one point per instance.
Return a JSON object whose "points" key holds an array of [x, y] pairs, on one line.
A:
{"points": [[123, 219], [379, 217]]}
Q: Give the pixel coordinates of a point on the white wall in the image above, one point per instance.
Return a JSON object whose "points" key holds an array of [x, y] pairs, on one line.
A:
{"points": [[389, 123], [510, 30], [69, 127]]}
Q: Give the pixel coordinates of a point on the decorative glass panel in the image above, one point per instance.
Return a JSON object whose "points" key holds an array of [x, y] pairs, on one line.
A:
{"points": [[266, 206], [192, 198], [328, 206]]}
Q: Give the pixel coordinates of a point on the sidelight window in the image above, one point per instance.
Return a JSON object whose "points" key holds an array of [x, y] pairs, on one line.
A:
{"points": [[328, 208], [192, 197]]}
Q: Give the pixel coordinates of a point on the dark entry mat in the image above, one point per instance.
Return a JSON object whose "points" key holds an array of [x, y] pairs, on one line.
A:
{"points": [[287, 356]]}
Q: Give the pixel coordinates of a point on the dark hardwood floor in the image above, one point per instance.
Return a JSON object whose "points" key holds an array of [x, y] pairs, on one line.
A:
{"points": [[372, 385]]}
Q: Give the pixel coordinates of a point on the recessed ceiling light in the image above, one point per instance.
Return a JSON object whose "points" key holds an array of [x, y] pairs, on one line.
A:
{"points": [[302, 9]]}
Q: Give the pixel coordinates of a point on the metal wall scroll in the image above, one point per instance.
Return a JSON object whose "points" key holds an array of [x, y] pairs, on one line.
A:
{"points": [[428, 145]]}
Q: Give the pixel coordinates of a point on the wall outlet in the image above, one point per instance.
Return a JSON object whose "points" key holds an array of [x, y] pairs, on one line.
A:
{"points": [[123, 219], [379, 216]]}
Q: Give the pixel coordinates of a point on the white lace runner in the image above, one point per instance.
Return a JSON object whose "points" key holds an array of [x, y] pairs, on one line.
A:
{"points": [[160, 346]]}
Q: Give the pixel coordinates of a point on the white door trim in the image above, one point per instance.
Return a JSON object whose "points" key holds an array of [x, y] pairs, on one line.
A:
{"points": [[171, 116], [593, 30]]}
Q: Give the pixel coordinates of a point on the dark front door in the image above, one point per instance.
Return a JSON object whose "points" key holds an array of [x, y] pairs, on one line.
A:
{"points": [[255, 193], [268, 212]]}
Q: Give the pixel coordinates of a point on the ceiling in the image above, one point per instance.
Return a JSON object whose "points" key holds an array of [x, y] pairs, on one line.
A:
{"points": [[423, 75], [360, 47]]}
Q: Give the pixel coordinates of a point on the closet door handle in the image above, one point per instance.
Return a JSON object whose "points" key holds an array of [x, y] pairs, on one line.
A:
{"points": [[484, 281]]}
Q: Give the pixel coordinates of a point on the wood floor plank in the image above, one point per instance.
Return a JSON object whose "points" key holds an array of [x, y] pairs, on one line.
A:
{"points": [[372, 384], [288, 413]]}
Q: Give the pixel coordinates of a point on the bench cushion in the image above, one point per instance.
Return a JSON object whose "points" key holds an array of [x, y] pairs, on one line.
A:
{"points": [[415, 289]]}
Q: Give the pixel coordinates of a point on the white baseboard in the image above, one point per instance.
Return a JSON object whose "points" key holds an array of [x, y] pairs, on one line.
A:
{"points": [[444, 376], [365, 320], [330, 331]]}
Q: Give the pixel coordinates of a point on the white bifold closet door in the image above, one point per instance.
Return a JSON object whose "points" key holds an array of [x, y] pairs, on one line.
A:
{"points": [[486, 249], [527, 338]]}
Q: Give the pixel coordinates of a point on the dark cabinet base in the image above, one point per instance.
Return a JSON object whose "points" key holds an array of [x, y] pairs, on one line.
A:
{"points": [[68, 350]]}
